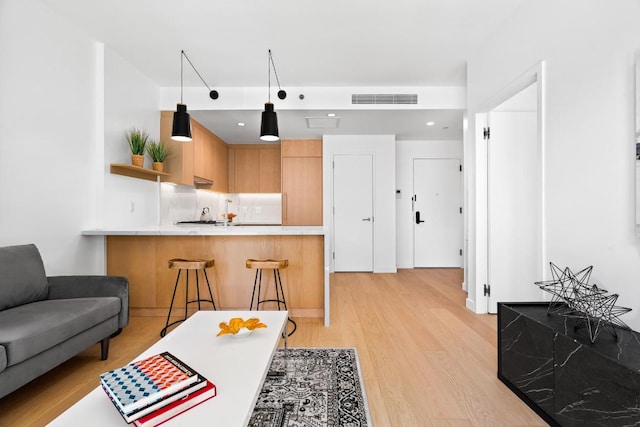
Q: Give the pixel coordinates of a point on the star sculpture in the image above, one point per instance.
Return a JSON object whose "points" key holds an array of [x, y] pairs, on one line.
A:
{"points": [[591, 306]]}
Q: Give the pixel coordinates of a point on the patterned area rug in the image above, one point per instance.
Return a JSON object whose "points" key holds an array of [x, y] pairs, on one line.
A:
{"points": [[312, 388]]}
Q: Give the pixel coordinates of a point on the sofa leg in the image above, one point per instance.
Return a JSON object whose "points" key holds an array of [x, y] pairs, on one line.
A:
{"points": [[104, 348]]}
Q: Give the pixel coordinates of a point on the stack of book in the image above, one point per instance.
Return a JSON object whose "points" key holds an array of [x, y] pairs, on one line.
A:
{"points": [[151, 391]]}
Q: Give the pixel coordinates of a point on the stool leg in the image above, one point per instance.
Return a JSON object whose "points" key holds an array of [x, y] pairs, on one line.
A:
{"points": [[253, 294], [277, 282], [284, 300], [186, 296], [209, 287], [259, 289], [198, 290], [163, 332]]}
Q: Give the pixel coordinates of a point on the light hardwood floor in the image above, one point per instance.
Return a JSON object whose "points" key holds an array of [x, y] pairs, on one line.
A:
{"points": [[426, 360]]}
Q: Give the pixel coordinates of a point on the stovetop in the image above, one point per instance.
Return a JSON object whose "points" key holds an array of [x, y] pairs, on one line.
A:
{"points": [[201, 222]]}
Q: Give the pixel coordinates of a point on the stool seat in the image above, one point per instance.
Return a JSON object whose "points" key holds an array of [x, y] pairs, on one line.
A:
{"points": [[191, 264], [267, 264]]}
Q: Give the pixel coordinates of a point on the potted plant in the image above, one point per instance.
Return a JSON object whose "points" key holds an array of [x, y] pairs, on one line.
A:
{"points": [[158, 153], [137, 140]]}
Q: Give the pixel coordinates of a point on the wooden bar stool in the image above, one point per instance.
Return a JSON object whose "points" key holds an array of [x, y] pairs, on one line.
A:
{"points": [[189, 264], [275, 265]]}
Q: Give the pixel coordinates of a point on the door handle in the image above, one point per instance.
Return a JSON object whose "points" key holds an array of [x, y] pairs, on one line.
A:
{"points": [[366, 219], [418, 220]]}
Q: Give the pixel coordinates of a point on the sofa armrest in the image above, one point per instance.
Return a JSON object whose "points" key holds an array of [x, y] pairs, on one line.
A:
{"points": [[61, 287]]}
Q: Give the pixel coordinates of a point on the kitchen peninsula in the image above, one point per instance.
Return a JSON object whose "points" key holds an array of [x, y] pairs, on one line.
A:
{"points": [[141, 254]]}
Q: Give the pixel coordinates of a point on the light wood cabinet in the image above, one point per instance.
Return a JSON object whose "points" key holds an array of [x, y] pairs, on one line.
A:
{"points": [[202, 162], [302, 148], [201, 152], [143, 260], [270, 167], [302, 182], [179, 163], [220, 164], [254, 168]]}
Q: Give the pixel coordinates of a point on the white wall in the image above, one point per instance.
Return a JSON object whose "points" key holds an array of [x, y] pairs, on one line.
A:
{"points": [[383, 149], [406, 151], [64, 106], [130, 100], [48, 153], [588, 48]]}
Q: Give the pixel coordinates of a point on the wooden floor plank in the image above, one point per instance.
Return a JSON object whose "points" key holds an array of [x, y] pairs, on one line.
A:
{"points": [[426, 360]]}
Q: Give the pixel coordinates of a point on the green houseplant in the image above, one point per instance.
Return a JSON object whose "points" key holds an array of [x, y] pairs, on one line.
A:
{"points": [[137, 140], [158, 152]]}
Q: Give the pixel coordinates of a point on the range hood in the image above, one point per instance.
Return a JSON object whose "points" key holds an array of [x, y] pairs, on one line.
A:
{"points": [[202, 182]]}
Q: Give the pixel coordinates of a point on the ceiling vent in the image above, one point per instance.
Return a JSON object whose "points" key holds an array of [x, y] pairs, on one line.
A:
{"points": [[384, 98], [322, 122]]}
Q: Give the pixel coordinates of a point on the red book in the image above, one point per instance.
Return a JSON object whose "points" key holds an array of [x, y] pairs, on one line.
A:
{"points": [[178, 407], [146, 381]]}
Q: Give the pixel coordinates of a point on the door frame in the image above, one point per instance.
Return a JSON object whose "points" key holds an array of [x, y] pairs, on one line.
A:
{"points": [[371, 157], [373, 200], [535, 75]]}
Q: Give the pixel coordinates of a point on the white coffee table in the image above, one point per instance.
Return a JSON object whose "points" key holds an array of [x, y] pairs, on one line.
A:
{"points": [[237, 366]]}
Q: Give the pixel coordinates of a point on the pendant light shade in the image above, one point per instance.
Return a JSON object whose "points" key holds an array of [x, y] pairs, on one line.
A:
{"points": [[181, 130], [269, 127]]}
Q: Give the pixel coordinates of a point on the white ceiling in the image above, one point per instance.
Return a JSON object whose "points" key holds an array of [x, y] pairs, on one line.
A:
{"points": [[314, 43]]}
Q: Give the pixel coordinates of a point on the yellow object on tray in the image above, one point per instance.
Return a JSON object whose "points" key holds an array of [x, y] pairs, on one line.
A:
{"points": [[237, 323]]}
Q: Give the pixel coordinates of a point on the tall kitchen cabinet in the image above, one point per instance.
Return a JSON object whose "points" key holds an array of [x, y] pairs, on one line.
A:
{"points": [[254, 168], [203, 162], [302, 182]]}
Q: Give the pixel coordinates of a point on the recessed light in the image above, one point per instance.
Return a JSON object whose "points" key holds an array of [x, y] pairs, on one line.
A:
{"points": [[240, 124], [331, 115], [430, 123]]}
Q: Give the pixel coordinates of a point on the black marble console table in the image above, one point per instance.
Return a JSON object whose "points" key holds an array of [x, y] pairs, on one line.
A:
{"points": [[560, 374]]}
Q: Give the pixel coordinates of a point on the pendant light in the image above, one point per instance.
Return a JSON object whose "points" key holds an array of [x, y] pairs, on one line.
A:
{"points": [[181, 130], [269, 126]]}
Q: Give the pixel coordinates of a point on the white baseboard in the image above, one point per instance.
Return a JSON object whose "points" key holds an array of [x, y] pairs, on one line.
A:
{"points": [[387, 269], [471, 305]]}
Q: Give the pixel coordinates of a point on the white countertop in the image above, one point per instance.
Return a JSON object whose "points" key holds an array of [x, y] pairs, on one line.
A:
{"points": [[210, 230]]}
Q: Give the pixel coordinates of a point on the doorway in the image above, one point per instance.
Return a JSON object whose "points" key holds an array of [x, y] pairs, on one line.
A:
{"points": [[437, 211], [511, 137], [353, 212]]}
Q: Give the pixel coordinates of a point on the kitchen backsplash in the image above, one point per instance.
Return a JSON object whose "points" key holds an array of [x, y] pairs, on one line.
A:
{"points": [[183, 203]]}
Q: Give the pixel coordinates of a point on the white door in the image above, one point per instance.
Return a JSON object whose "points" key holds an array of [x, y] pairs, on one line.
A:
{"points": [[353, 212], [514, 212], [437, 214]]}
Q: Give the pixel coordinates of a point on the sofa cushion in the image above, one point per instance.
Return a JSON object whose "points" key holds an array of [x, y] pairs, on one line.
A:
{"points": [[22, 276], [33, 328]]}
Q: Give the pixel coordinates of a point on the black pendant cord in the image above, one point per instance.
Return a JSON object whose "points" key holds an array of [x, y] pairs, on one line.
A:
{"points": [[281, 93], [181, 72], [269, 62], [213, 94], [194, 69]]}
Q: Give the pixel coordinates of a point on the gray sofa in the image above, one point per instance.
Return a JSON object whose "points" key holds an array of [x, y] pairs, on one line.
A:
{"points": [[45, 321]]}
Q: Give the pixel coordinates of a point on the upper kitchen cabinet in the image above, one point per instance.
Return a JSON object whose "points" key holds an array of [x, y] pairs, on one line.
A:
{"points": [[254, 168], [302, 182], [203, 162], [301, 148]]}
